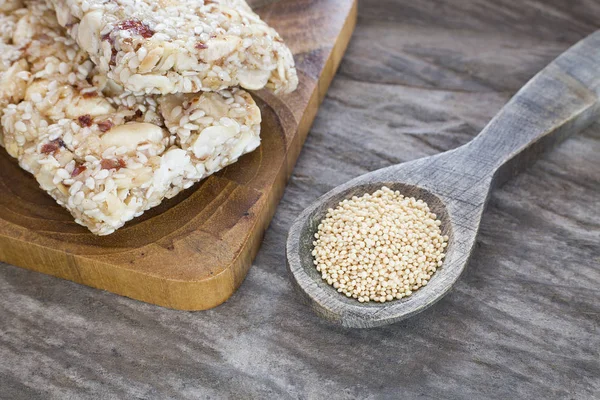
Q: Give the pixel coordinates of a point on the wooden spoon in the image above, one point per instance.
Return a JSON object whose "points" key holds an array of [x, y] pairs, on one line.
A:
{"points": [[560, 100]]}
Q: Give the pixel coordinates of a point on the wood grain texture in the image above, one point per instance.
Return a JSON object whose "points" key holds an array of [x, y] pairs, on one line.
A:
{"points": [[523, 322], [193, 251], [558, 102]]}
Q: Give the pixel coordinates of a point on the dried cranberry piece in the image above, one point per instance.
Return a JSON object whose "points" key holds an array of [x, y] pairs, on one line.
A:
{"points": [[85, 120], [113, 52], [138, 114], [49, 148], [107, 37], [113, 57], [78, 170], [53, 146], [112, 164], [137, 27], [105, 126]]}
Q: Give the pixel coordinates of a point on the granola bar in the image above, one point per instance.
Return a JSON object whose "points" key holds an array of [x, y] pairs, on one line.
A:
{"points": [[103, 153], [179, 46]]}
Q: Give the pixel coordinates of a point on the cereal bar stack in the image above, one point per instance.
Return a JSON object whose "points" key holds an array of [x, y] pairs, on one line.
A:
{"points": [[115, 105]]}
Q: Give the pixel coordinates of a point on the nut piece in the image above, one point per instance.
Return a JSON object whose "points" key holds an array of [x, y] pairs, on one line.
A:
{"points": [[92, 106], [12, 88], [253, 79], [246, 143], [211, 137], [219, 48], [151, 59], [139, 82], [132, 135], [89, 29], [63, 16]]}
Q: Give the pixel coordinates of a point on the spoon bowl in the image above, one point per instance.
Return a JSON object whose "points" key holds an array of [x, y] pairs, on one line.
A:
{"points": [[327, 301], [559, 101]]}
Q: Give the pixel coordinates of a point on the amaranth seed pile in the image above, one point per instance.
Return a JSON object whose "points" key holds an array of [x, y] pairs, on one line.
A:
{"points": [[379, 247]]}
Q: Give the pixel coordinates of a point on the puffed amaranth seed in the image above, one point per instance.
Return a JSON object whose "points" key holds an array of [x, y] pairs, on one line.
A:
{"points": [[379, 247]]}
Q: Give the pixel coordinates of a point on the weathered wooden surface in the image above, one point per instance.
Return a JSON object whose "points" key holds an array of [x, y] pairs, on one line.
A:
{"points": [[560, 101], [194, 250], [522, 322]]}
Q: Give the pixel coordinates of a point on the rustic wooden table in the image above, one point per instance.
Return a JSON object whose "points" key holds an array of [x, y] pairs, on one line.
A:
{"points": [[420, 77]]}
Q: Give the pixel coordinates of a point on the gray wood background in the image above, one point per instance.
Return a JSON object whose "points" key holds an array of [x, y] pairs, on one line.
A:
{"points": [[523, 322]]}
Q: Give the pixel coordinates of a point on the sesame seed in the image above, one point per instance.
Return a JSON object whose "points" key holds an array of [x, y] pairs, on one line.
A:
{"points": [[20, 126], [50, 68]]}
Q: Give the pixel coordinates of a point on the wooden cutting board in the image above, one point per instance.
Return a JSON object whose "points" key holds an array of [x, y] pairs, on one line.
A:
{"points": [[193, 251]]}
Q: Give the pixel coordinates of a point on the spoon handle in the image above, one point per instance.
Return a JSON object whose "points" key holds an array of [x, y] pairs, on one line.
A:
{"points": [[560, 100]]}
